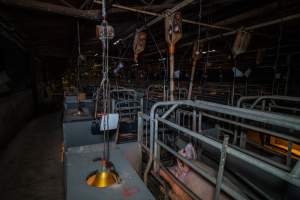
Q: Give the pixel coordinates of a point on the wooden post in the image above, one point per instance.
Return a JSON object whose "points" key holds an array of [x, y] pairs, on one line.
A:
{"points": [[171, 52]]}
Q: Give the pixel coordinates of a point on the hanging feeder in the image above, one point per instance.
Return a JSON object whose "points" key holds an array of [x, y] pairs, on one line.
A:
{"points": [[241, 42], [105, 176], [100, 31], [173, 28], [173, 33], [139, 44]]}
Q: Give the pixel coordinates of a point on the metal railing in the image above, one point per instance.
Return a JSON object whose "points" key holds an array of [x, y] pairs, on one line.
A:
{"points": [[123, 94], [197, 110], [157, 92], [269, 103]]}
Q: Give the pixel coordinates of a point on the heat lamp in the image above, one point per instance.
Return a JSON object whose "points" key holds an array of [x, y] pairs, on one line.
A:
{"points": [[106, 175]]}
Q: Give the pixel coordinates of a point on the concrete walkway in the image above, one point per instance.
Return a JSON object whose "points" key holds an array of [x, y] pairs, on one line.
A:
{"points": [[30, 166]]}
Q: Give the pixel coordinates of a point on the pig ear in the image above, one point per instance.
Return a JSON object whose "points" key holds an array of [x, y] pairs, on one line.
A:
{"points": [[190, 148], [194, 155]]}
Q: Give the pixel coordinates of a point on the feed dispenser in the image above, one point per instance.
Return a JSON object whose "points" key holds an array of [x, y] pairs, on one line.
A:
{"points": [[106, 175]]}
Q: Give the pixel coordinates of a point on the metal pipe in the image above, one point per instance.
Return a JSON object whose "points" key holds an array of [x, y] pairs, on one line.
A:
{"points": [[221, 168], [194, 125], [285, 98], [170, 111], [269, 132], [238, 154], [264, 117]]}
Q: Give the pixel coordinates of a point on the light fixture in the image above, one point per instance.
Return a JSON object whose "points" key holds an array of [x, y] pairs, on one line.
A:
{"points": [[117, 41], [96, 54], [104, 177]]}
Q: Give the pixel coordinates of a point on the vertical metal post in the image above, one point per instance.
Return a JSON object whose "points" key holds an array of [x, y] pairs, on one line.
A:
{"points": [[221, 167], [113, 105], [156, 146], [140, 141], [194, 121], [289, 153], [263, 106], [243, 138], [140, 128], [142, 105], [235, 136], [200, 122], [146, 133]]}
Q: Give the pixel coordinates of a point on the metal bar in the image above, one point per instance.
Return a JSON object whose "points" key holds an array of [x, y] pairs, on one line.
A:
{"points": [[289, 154], [269, 118], [142, 104], [194, 126], [210, 178], [169, 111], [244, 157], [200, 122], [285, 108], [221, 168], [253, 186], [272, 162], [264, 117], [156, 147], [273, 133], [285, 98], [140, 128]]}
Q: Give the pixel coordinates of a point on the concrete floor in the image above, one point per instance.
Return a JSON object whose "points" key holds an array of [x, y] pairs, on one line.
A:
{"points": [[30, 166]]}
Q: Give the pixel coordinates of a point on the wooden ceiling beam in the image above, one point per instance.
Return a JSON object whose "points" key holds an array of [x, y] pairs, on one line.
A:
{"points": [[54, 9]]}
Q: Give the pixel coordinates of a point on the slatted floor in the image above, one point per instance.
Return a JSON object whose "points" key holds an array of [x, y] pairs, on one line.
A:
{"points": [[30, 165]]}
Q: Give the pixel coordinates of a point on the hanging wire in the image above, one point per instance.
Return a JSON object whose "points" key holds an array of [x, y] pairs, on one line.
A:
{"points": [[79, 54], [159, 52], [200, 19], [277, 56]]}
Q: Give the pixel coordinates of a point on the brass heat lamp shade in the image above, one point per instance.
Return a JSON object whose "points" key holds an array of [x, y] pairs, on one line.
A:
{"points": [[102, 179]]}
